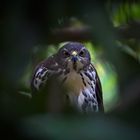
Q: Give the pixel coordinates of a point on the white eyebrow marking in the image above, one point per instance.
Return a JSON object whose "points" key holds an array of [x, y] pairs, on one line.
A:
{"points": [[83, 49]]}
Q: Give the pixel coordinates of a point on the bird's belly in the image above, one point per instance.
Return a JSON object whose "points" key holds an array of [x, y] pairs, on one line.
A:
{"points": [[74, 83]]}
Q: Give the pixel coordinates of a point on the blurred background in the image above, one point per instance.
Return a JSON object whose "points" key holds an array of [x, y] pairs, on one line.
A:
{"points": [[30, 31]]}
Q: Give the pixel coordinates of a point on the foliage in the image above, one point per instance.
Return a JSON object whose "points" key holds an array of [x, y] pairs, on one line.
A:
{"points": [[34, 31]]}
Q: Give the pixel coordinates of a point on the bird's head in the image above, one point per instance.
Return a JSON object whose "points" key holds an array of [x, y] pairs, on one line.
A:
{"points": [[74, 56]]}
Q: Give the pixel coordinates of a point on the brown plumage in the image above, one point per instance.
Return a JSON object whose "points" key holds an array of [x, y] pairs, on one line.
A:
{"points": [[72, 66]]}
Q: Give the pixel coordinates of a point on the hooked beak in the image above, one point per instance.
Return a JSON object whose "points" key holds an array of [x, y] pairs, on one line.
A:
{"points": [[74, 57]]}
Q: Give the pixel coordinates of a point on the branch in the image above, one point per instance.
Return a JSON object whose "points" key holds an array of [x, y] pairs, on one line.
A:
{"points": [[71, 33], [84, 33]]}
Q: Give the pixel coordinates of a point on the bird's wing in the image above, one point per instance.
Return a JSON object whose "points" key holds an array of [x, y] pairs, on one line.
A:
{"points": [[91, 97], [43, 71], [98, 89]]}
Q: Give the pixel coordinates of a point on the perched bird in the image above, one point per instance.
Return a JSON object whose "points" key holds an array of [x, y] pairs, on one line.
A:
{"points": [[72, 66]]}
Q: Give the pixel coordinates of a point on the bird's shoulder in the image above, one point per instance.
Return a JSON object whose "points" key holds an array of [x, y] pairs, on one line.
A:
{"points": [[48, 63], [43, 71]]}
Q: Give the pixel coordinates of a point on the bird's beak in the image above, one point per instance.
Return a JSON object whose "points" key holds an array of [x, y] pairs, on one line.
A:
{"points": [[74, 57]]}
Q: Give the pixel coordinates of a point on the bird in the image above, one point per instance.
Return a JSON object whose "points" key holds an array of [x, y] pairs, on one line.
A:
{"points": [[72, 65]]}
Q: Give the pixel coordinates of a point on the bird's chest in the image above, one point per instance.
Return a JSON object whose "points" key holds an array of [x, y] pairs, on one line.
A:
{"points": [[74, 82], [81, 90]]}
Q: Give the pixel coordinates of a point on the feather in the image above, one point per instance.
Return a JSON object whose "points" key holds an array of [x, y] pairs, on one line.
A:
{"points": [[82, 81]]}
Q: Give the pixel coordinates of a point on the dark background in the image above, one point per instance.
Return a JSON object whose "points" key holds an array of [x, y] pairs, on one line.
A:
{"points": [[28, 28]]}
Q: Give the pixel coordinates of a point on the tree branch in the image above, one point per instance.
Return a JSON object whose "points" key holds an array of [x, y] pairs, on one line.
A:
{"points": [[84, 33]]}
